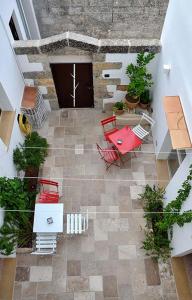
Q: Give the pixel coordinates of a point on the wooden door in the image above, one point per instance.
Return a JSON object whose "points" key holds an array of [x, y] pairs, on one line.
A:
{"points": [[63, 83], [74, 84]]}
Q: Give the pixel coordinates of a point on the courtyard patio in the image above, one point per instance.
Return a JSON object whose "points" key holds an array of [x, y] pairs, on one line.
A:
{"points": [[106, 262]]}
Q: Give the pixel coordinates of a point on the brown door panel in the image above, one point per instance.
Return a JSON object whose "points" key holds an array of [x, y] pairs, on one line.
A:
{"points": [[84, 91], [63, 83]]}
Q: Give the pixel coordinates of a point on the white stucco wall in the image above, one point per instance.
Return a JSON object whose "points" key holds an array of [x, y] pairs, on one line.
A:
{"points": [[6, 10], [176, 44], [176, 51], [182, 236], [12, 86]]}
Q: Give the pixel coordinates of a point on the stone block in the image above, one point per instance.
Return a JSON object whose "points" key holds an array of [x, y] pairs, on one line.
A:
{"points": [[121, 87], [141, 45], [114, 46], [44, 82], [99, 66], [37, 75], [26, 47]]}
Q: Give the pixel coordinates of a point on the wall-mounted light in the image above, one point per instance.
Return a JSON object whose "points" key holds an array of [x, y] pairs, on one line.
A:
{"points": [[166, 68]]}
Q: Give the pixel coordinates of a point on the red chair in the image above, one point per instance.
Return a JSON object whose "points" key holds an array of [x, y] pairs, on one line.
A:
{"points": [[109, 155], [111, 121], [48, 196]]}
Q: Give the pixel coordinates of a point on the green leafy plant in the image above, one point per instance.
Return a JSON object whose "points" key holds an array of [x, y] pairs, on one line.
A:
{"points": [[32, 153], [145, 97], [118, 106], [156, 241], [15, 199], [140, 78]]}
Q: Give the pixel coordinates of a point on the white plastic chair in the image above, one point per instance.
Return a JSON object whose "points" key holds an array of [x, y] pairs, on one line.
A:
{"points": [[139, 130], [77, 223], [46, 243]]}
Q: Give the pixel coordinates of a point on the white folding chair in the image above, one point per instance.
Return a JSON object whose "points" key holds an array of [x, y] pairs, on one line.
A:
{"points": [[45, 243], [139, 130], [77, 223]]}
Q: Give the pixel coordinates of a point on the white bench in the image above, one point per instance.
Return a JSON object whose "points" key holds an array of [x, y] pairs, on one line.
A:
{"points": [[77, 223]]}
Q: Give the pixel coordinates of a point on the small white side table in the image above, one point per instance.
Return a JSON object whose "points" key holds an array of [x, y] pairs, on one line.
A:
{"points": [[45, 211]]}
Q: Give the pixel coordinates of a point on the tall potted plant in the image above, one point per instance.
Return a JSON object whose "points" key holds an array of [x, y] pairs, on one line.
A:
{"points": [[30, 155], [140, 79]]}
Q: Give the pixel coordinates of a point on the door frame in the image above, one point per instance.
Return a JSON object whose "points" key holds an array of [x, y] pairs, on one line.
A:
{"points": [[73, 59]]}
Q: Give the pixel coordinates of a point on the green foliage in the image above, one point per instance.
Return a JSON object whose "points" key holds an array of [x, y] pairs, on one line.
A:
{"points": [[172, 213], [140, 78], [152, 200], [156, 241], [157, 245], [161, 221], [32, 153], [16, 201], [145, 97], [118, 106]]}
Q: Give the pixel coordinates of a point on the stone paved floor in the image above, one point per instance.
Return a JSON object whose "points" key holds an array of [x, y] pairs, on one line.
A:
{"points": [[106, 263]]}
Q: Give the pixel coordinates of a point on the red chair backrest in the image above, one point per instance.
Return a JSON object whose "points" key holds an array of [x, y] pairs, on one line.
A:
{"points": [[48, 197], [48, 182], [109, 120]]}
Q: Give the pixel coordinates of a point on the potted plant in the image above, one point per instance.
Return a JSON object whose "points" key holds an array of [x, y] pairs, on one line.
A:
{"points": [[29, 156], [118, 108], [140, 79], [145, 99]]}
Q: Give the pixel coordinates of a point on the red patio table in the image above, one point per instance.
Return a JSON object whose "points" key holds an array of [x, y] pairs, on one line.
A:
{"points": [[129, 140]]}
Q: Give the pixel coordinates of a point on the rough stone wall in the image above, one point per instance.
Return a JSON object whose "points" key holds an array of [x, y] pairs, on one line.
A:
{"points": [[45, 79], [69, 43], [102, 18]]}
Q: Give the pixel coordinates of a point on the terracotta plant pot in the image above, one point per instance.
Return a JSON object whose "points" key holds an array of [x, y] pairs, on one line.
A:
{"points": [[119, 112], [144, 105], [131, 102]]}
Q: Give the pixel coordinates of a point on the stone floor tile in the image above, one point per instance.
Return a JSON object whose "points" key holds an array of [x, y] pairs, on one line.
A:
{"points": [[138, 283], [96, 283], [24, 260], [127, 251], [40, 273], [100, 233], [101, 250], [29, 298], [77, 284], [17, 291], [110, 286], [22, 274], [152, 272], [45, 260], [52, 287], [59, 261], [29, 289], [59, 132], [87, 244], [139, 178], [135, 190], [84, 296], [73, 268], [125, 292], [50, 296]]}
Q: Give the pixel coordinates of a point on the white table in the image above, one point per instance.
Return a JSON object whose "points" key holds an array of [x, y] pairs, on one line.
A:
{"points": [[44, 211]]}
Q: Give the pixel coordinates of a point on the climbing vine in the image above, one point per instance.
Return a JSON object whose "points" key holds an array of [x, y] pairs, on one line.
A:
{"points": [[160, 220], [172, 213]]}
